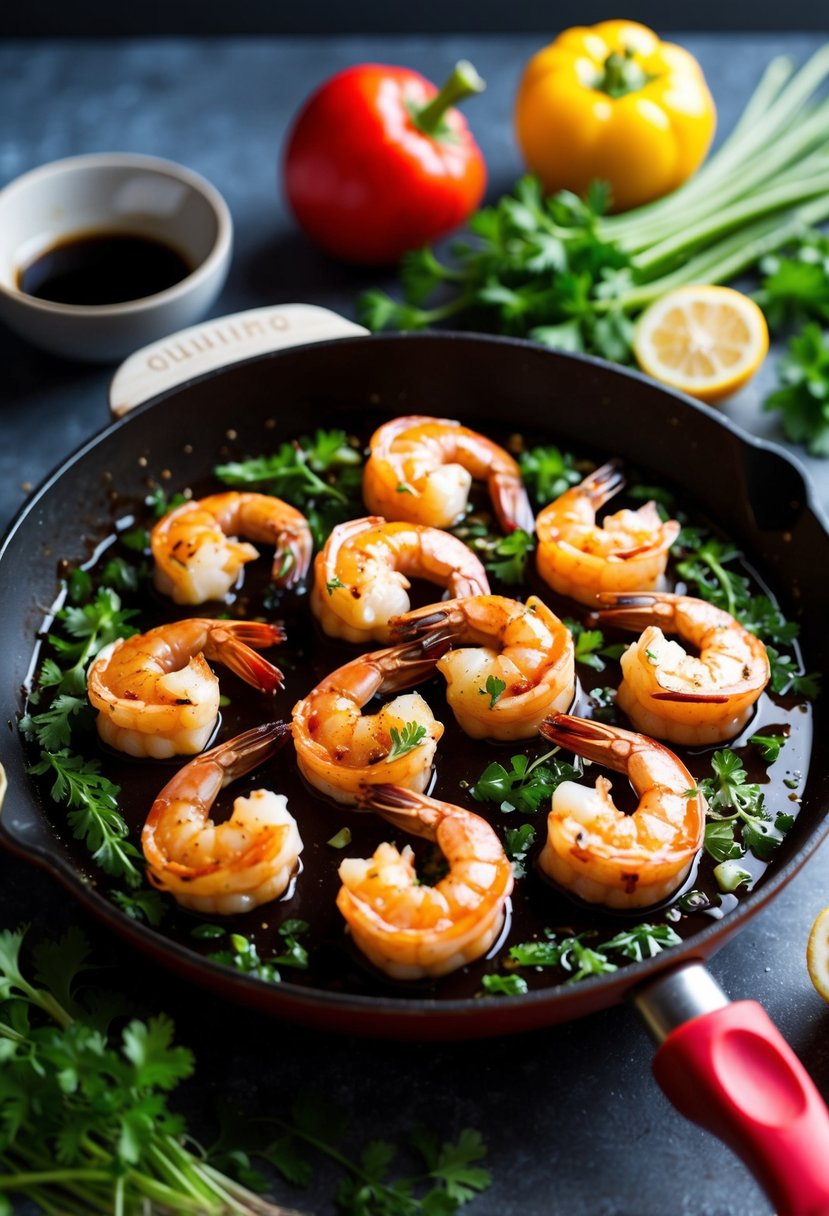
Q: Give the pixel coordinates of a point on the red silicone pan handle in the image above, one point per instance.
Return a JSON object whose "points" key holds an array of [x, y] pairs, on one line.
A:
{"points": [[732, 1071]]}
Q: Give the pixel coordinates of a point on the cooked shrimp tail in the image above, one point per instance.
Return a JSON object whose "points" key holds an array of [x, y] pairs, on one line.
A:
{"points": [[235, 644], [404, 808], [240, 756], [232, 866], [411, 930], [511, 664], [698, 696], [601, 485], [421, 469], [509, 498], [339, 748], [587, 738], [580, 557], [157, 696], [361, 575], [603, 855]]}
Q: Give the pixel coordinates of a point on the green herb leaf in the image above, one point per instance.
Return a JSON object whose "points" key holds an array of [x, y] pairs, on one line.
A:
{"points": [[517, 844], [770, 746], [493, 689], [524, 786], [643, 941], [341, 839], [320, 474], [504, 985], [405, 740], [94, 816], [736, 802]]}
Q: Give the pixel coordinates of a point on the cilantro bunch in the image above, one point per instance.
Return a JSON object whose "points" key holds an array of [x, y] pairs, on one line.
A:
{"points": [[87, 1126], [530, 266], [794, 295]]}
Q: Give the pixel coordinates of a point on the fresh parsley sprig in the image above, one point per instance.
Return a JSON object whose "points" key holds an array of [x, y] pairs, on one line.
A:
{"points": [[85, 628], [93, 815], [405, 740], [590, 647], [547, 472], [517, 844], [735, 803], [802, 398], [795, 283], [319, 474], [448, 1174], [88, 1127], [504, 557], [494, 689], [529, 265], [525, 785]]}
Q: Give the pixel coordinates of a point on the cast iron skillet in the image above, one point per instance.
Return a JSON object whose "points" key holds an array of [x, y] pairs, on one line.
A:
{"points": [[751, 487]]}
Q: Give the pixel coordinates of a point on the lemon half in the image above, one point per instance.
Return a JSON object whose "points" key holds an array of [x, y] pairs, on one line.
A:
{"points": [[817, 954], [703, 340]]}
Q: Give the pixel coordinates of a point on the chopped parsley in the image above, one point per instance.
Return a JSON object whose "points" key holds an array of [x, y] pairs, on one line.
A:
{"points": [[319, 474], [405, 740], [525, 785], [736, 805], [494, 689], [589, 645]]}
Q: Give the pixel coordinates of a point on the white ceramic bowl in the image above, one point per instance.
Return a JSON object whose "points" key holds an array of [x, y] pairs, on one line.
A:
{"points": [[112, 192]]}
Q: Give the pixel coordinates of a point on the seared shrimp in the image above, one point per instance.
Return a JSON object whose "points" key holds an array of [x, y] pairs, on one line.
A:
{"points": [[198, 559], [228, 867], [514, 665], [360, 575], [339, 749], [594, 849], [686, 698], [577, 557], [421, 469], [156, 695], [409, 929]]}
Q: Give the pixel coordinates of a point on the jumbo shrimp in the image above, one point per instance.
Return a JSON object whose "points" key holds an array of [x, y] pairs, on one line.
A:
{"points": [[412, 930]]}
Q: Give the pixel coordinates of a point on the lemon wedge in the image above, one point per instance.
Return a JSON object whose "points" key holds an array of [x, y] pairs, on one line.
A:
{"points": [[817, 954], [703, 340]]}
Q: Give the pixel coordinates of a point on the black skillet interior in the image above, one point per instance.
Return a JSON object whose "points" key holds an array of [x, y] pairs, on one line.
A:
{"points": [[756, 494]]}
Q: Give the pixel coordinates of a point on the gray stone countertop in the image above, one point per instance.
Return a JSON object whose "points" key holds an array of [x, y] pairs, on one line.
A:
{"points": [[573, 1118]]}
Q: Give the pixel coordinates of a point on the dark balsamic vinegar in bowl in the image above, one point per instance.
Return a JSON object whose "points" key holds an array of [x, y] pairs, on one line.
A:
{"points": [[99, 268]]}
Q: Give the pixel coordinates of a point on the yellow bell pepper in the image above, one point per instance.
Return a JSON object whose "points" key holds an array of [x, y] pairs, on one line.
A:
{"points": [[611, 102]]}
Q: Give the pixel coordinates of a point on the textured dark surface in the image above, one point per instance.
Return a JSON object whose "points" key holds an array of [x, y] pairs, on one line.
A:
{"points": [[572, 1117]]}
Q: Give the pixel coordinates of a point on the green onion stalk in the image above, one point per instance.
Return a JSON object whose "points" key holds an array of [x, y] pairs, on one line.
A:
{"points": [[546, 267]]}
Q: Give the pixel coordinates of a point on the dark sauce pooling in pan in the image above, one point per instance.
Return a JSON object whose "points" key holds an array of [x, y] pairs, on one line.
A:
{"points": [[103, 268], [536, 904]]}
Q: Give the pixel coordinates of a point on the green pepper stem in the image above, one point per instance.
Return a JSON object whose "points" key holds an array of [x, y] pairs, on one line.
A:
{"points": [[621, 74], [463, 82]]}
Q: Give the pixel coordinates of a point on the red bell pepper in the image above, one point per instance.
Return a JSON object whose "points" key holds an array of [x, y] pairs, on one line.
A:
{"points": [[379, 162]]}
